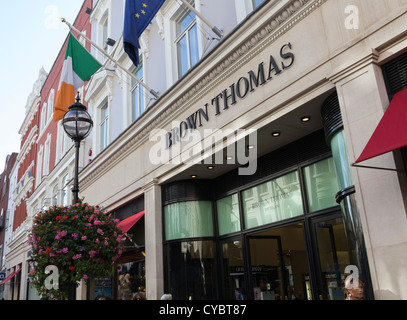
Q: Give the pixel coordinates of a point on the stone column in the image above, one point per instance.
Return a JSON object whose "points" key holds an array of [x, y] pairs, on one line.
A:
{"points": [[378, 193], [154, 241]]}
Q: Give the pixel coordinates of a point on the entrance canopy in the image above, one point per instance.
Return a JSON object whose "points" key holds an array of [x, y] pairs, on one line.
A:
{"points": [[127, 223], [11, 275], [391, 132]]}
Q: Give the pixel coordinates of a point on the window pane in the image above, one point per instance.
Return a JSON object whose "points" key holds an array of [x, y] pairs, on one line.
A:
{"points": [[137, 94], [103, 135], [321, 185], [104, 126], [272, 201], [256, 3], [228, 214], [193, 45], [188, 219], [233, 271], [141, 101], [333, 257], [185, 22], [136, 104], [182, 56], [190, 269]]}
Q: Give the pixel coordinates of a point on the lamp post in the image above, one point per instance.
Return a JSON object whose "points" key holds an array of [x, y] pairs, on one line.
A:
{"points": [[77, 124]]}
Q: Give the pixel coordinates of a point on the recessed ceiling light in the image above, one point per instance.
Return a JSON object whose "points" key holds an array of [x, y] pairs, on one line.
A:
{"points": [[305, 119], [251, 146], [276, 134], [228, 158], [210, 167], [194, 176]]}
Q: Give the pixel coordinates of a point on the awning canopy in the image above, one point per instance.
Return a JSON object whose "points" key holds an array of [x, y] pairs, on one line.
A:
{"points": [[11, 275], [127, 223], [391, 132]]}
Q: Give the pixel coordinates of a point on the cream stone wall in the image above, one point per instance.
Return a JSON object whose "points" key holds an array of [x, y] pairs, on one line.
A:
{"points": [[327, 55]]}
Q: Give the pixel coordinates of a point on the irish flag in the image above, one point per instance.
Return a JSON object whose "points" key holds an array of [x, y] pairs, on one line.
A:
{"points": [[79, 65]]}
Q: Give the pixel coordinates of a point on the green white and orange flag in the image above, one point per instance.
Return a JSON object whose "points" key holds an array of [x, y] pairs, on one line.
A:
{"points": [[79, 66]]}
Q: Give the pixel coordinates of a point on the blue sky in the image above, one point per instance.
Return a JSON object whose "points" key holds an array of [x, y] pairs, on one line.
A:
{"points": [[31, 35]]}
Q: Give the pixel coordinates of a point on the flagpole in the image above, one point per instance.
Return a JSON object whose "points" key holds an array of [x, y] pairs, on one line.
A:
{"points": [[116, 63], [210, 25]]}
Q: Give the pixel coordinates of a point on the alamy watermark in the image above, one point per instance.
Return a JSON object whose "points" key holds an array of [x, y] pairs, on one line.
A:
{"points": [[52, 281], [352, 19], [184, 146], [52, 21]]}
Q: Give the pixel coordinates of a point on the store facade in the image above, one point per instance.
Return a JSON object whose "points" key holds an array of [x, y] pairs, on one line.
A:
{"points": [[273, 208]]}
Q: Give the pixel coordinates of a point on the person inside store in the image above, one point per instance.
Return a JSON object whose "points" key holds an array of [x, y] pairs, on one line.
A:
{"points": [[139, 296], [352, 291]]}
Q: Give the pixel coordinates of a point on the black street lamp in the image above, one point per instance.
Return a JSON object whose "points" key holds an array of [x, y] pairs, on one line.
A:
{"points": [[77, 125]]}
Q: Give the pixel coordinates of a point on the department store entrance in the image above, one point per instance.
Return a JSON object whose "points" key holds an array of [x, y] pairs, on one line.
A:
{"points": [[298, 261], [278, 264]]}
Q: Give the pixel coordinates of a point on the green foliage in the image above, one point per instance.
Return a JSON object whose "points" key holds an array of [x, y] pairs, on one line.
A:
{"points": [[82, 241]]}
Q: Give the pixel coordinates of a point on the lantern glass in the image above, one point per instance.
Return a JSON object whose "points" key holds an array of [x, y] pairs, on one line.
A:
{"points": [[77, 124]]}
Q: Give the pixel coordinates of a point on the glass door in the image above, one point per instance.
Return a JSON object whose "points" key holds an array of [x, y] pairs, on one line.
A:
{"points": [[333, 256], [278, 264], [234, 280], [267, 269]]}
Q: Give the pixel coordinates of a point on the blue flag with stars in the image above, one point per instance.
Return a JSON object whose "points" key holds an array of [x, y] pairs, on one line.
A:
{"points": [[137, 16]]}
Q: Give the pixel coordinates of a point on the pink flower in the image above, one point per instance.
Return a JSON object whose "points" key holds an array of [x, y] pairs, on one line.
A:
{"points": [[65, 250], [84, 237], [100, 231], [77, 256], [85, 277], [106, 243], [92, 253]]}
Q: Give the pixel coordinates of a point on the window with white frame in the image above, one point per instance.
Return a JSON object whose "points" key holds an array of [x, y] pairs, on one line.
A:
{"points": [[51, 104], [104, 126], [137, 93], [186, 41], [45, 169], [65, 190], [55, 195], [4, 186], [104, 30], [43, 116], [39, 165]]}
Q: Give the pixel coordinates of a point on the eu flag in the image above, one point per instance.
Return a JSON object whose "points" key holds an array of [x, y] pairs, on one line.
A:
{"points": [[137, 16]]}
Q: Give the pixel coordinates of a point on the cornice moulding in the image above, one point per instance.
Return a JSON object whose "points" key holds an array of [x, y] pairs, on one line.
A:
{"points": [[234, 51]]}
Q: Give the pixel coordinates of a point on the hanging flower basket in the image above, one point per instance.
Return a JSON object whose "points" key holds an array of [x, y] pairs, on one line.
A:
{"points": [[78, 242]]}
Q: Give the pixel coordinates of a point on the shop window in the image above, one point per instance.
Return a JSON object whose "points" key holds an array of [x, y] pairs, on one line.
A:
{"points": [[233, 271], [191, 272], [131, 279], [228, 214], [321, 185], [272, 201], [334, 257], [188, 220]]}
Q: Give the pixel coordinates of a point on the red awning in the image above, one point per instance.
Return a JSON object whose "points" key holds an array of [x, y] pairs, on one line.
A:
{"points": [[391, 132], [127, 223], [10, 276]]}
